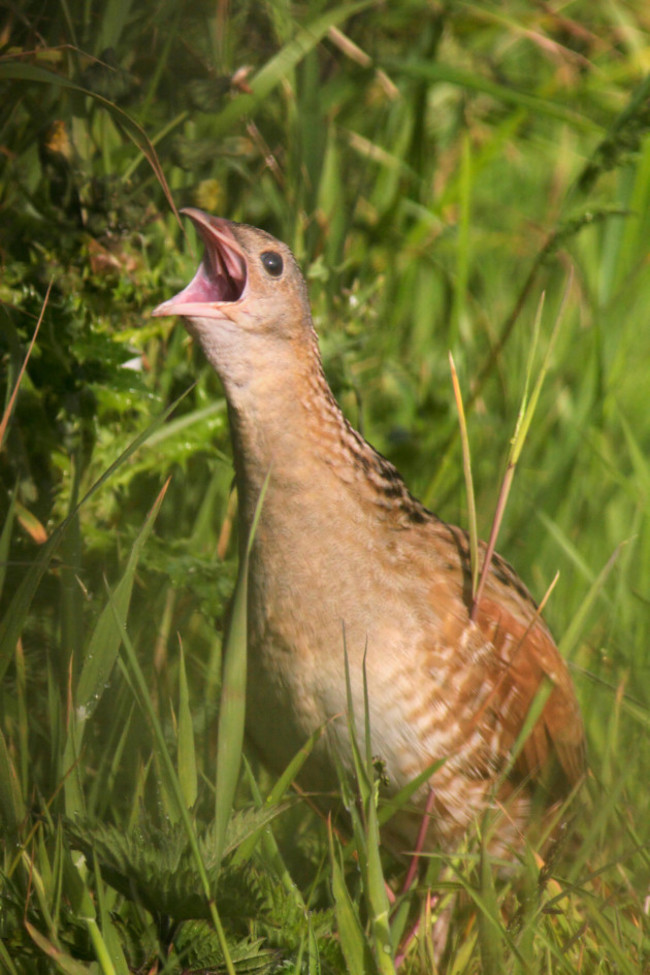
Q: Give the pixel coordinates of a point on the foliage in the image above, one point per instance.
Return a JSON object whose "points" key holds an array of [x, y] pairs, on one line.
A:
{"points": [[435, 167]]}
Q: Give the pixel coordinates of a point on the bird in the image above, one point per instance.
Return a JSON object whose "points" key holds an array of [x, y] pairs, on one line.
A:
{"points": [[346, 565]]}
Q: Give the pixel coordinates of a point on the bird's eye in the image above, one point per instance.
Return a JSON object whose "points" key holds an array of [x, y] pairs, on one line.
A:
{"points": [[272, 262]]}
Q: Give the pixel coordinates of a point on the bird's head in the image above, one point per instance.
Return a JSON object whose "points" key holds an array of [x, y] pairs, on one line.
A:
{"points": [[246, 279]]}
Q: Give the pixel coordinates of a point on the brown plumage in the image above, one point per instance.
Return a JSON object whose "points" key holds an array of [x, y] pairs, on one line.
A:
{"points": [[344, 554]]}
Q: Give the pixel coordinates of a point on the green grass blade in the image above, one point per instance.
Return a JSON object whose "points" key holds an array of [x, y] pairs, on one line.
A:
{"points": [[5, 538], [522, 427], [376, 885], [106, 941], [362, 771], [12, 806], [4, 420], [490, 941], [99, 946], [463, 255], [467, 472], [355, 948], [232, 711], [572, 634], [187, 771]]}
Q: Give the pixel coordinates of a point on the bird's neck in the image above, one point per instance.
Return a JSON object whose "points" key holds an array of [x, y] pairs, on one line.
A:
{"points": [[285, 425], [289, 432]]}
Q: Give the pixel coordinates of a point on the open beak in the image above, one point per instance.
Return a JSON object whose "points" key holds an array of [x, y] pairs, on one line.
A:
{"points": [[221, 277]]}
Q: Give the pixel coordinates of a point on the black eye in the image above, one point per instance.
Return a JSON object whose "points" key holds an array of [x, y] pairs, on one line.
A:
{"points": [[272, 263]]}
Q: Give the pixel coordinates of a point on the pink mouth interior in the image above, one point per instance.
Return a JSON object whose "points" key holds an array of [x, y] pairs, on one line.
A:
{"points": [[221, 276], [222, 272]]}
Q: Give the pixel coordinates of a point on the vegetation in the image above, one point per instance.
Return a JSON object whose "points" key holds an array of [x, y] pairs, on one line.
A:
{"points": [[436, 167]]}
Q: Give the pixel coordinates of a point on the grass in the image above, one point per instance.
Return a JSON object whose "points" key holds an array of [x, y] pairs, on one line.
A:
{"points": [[436, 169]]}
